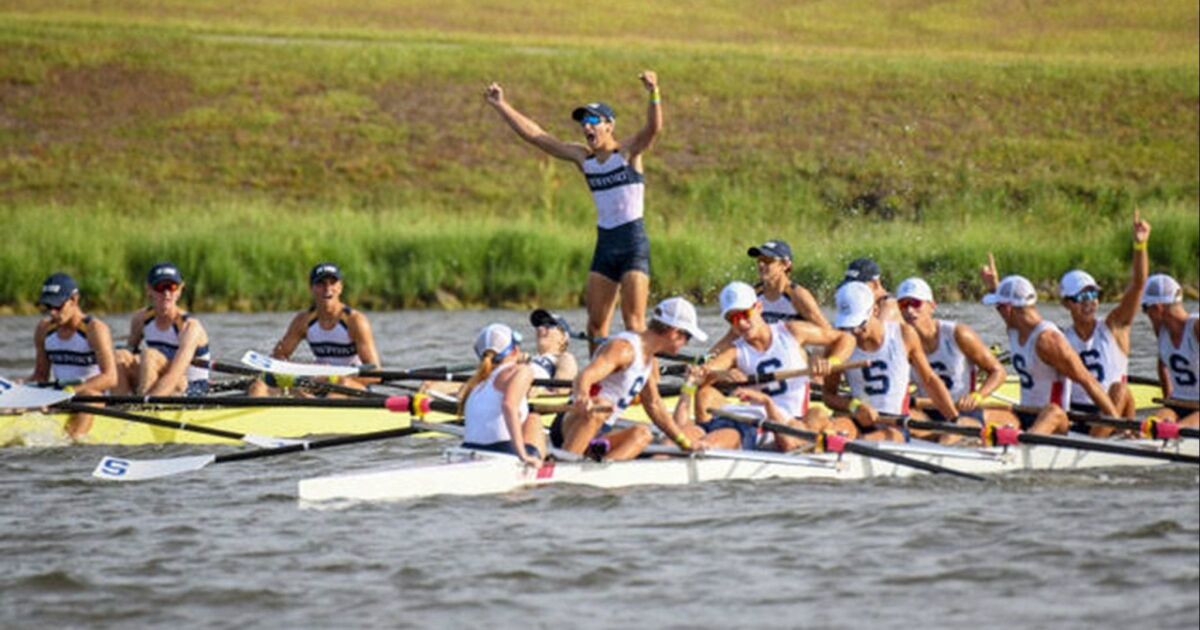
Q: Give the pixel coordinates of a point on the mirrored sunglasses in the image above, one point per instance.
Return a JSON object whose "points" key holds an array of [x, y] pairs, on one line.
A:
{"points": [[590, 119], [910, 303], [1090, 295]]}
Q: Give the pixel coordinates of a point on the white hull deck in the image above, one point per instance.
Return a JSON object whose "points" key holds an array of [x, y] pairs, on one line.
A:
{"points": [[463, 472]]}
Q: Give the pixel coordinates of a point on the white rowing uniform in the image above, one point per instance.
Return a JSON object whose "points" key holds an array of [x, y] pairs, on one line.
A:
{"points": [[484, 412], [949, 362], [883, 382], [167, 342], [777, 309], [71, 359], [1182, 361], [622, 387], [1041, 384], [617, 190], [332, 346], [545, 365], [1101, 356], [783, 353]]}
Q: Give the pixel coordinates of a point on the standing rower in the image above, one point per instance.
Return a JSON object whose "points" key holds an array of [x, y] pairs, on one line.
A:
{"points": [[173, 339], [614, 173], [762, 349], [623, 368], [1178, 349], [336, 333], [72, 347], [955, 353], [1103, 345], [893, 353], [495, 405], [1041, 356]]}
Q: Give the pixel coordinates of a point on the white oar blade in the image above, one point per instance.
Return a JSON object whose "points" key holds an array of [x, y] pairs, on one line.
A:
{"points": [[119, 469], [266, 441], [16, 396], [265, 363]]}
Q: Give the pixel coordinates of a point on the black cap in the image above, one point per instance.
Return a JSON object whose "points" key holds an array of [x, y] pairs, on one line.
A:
{"points": [[163, 272], [324, 270], [599, 109], [542, 317], [772, 249], [862, 270], [57, 289]]}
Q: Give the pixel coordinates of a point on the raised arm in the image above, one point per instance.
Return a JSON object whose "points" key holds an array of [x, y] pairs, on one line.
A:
{"points": [[530, 131], [1121, 318], [644, 138], [988, 274]]}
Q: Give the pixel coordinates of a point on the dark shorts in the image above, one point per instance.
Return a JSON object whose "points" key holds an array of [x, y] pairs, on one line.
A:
{"points": [[502, 447], [748, 432], [1180, 412], [197, 388], [621, 249], [1082, 427], [1027, 419], [556, 430]]}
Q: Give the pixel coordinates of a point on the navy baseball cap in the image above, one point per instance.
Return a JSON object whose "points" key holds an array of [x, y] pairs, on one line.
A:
{"points": [[862, 270], [57, 289], [772, 249], [599, 109], [164, 272], [324, 270], [542, 317]]}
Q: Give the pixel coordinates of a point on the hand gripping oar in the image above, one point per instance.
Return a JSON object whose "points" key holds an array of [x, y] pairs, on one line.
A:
{"points": [[996, 435], [834, 443], [1190, 405], [1157, 429], [763, 379], [121, 469]]}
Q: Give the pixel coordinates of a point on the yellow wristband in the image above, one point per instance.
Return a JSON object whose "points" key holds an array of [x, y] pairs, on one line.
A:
{"points": [[1142, 246], [854, 405], [835, 361], [655, 96], [683, 441], [976, 397], [688, 389]]}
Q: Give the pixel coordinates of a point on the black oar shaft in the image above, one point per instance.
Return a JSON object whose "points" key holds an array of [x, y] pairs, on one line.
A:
{"points": [[237, 401], [318, 444], [158, 422]]}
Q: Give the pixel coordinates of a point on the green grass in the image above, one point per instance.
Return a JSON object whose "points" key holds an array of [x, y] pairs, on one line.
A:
{"points": [[246, 141]]}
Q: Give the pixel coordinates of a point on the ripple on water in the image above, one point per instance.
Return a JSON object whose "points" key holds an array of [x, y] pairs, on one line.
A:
{"points": [[1157, 529]]}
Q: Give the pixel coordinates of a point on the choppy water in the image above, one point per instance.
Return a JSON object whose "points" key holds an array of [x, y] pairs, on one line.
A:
{"points": [[229, 546]]}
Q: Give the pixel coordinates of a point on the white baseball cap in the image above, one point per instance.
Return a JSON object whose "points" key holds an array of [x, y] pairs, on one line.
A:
{"points": [[1161, 289], [1075, 282], [679, 313], [498, 338], [855, 302], [915, 288], [737, 296], [1013, 290]]}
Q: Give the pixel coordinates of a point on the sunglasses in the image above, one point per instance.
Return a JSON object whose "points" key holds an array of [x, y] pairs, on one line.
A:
{"points": [[910, 303], [736, 317], [590, 119], [165, 287], [1090, 295], [46, 309]]}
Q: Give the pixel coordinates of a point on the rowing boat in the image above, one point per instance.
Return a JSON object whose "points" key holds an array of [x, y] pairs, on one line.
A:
{"points": [[38, 429], [468, 472]]}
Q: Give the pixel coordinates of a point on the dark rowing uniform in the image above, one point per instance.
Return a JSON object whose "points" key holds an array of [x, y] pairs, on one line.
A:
{"points": [[71, 359], [167, 342], [618, 192], [333, 346]]}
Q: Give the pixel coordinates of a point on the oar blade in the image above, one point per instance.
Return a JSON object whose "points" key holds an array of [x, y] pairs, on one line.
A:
{"points": [[267, 441], [121, 469], [17, 396], [264, 363]]}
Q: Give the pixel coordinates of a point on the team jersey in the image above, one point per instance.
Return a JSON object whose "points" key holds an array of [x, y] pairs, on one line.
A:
{"points": [[545, 365], [617, 190], [783, 353], [621, 387], [73, 358], [1041, 384], [778, 309], [333, 346], [1101, 356], [484, 412], [949, 363], [883, 383], [167, 342], [1182, 361]]}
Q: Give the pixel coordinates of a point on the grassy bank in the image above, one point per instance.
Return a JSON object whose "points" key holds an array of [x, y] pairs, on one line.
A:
{"points": [[246, 144]]}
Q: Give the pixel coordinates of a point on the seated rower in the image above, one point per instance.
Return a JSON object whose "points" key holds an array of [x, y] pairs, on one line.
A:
{"points": [[495, 402], [336, 333], [866, 271], [623, 368], [172, 340], [553, 359], [1041, 357], [956, 354], [763, 349], [72, 347], [1103, 345], [893, 353], [1178, 349]]}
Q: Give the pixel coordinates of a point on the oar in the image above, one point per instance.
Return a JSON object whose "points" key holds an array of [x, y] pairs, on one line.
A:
{"points": [[1123, 423], [393, 403], [763, 379], [265, 441], [1191, 405], [836, 444], [121, 469], [1005, 434]]}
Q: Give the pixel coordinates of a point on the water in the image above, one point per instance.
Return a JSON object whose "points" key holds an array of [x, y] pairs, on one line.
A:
{"points": [[229, 546]]}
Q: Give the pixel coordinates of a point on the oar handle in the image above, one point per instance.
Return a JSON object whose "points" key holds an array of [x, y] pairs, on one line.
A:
{"points": [[1191, 405]]}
